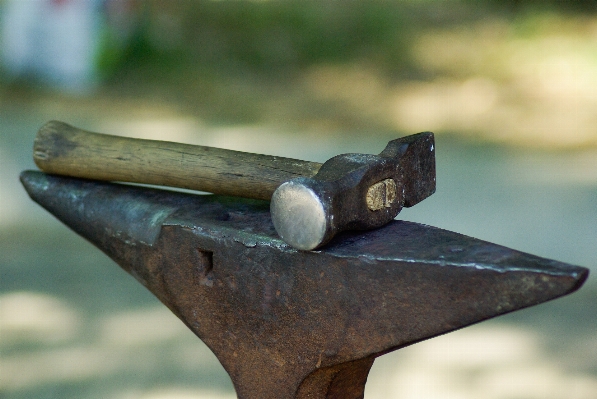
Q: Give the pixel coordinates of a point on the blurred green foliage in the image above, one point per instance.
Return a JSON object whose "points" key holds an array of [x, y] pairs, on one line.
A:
{"points": [[563, 6], [229, 60], [271, 36], [281, 36]]}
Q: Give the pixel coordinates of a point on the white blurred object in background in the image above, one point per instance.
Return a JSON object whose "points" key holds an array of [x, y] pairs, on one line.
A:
{"points": [[62, 43]]}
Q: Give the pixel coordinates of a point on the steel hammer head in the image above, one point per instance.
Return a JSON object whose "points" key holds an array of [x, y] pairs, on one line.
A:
{"points": [[355, 191]]}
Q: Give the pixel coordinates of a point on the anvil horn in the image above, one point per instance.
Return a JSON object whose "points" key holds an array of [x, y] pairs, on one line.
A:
{"points": [[293, 324]]}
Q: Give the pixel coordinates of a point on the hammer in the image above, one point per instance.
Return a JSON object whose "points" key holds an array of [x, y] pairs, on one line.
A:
{"points": [[310, 202]]}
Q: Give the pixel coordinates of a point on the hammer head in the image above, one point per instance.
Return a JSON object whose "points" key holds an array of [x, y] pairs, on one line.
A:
{"points": [[355, 192]]}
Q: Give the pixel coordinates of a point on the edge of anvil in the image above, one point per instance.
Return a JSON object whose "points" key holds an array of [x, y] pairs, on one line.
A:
{"points": [[248, 222]]}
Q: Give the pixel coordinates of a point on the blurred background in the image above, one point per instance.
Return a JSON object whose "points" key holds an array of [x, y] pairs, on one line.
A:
{"points": [[509, 88]]}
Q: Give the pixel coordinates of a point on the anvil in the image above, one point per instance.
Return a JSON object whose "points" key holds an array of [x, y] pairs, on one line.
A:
{"points": [[286, 323]]}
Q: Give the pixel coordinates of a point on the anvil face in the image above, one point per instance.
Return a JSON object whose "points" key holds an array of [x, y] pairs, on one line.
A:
{"points": [[292, 324]]}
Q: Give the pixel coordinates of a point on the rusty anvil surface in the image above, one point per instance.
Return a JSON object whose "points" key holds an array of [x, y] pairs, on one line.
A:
{"points": [[293, 324]]}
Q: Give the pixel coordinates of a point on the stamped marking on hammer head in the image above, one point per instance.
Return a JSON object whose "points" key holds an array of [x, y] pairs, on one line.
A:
{"points": [[381, 195]]}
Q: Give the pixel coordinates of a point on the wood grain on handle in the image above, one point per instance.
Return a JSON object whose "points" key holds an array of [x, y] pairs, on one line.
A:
{"points": [[63, 149]]}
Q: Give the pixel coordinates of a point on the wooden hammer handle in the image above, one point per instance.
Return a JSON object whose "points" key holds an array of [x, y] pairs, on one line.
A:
{"points": [[63, 149]]}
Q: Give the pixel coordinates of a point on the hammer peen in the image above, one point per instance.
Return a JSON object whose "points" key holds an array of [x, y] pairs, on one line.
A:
{"points": [[310, 202]]}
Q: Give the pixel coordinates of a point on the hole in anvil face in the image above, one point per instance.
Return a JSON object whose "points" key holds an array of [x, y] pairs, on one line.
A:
{"points": [[204, 267]]}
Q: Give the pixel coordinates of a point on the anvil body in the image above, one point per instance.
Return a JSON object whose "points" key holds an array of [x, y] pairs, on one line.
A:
{"points": [[294, 324]]}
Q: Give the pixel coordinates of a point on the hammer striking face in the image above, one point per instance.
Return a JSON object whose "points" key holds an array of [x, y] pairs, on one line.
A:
{"points": [[310, 202]]}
